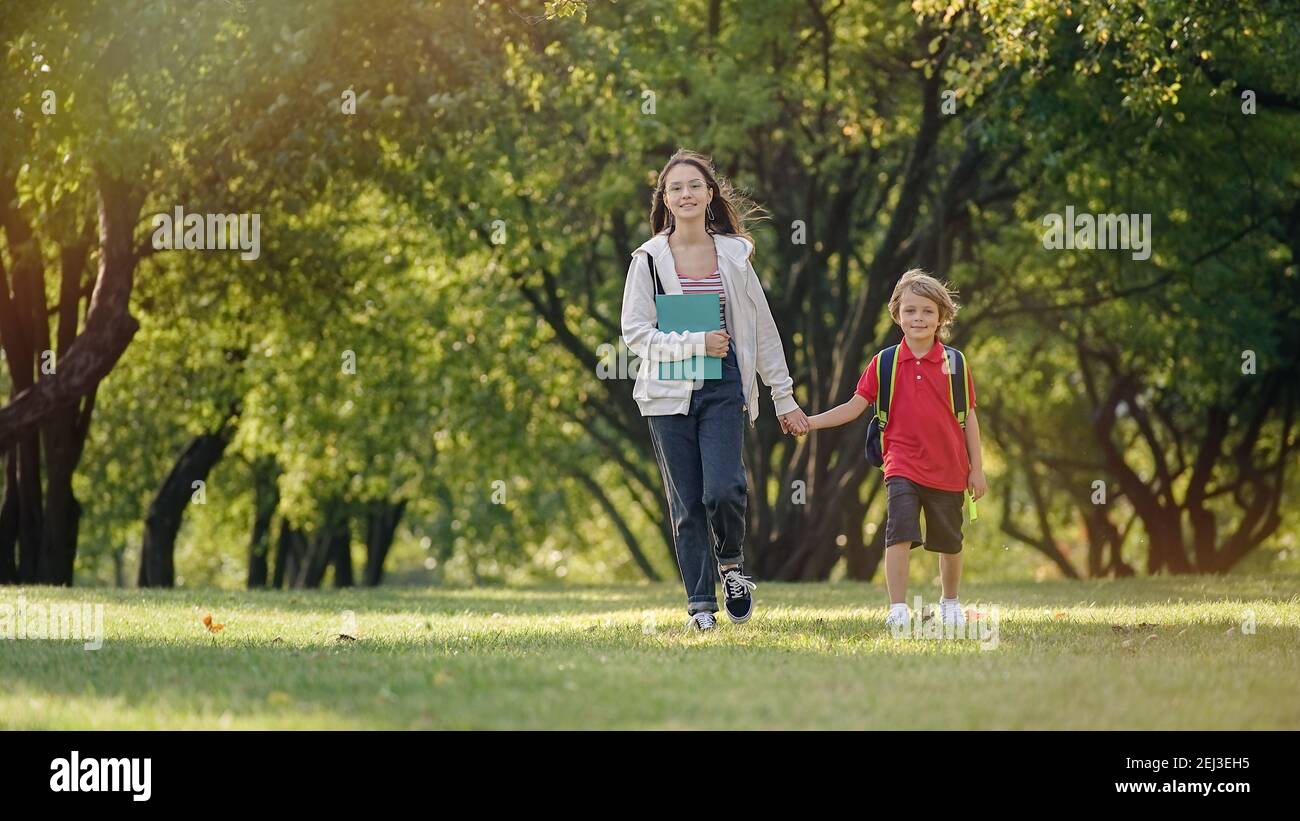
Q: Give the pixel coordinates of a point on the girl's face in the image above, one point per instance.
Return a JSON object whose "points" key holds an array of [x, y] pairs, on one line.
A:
{"points": [[918, 316], [686, 193]]}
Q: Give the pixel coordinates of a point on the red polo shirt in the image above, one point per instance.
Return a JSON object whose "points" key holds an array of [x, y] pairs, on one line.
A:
{"points": [[923, 441]]}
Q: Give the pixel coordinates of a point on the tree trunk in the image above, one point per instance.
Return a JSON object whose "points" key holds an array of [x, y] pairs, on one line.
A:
{"points": [[31, 516], [382, 519], [324, 547], [290, 553], [64, 435], [266, 498], [341, 555], [9, 524], [48, 417], [163, 521], [315, 560], [109, 326], [25, 332]]}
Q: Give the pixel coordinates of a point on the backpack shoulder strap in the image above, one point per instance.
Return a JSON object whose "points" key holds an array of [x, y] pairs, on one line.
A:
{"points": [[659, 287], [958, 387], [886, 375]]}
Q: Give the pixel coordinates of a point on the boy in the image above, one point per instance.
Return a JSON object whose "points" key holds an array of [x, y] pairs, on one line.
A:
{"points": [[929, 459]]}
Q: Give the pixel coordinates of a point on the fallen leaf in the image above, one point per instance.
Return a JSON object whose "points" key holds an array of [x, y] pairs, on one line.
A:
{"points": [[212, 627], [1058, 615]]}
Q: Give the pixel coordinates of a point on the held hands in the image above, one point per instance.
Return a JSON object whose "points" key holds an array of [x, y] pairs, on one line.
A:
{"points": [[716, 343], [795, 422], [977, 484]]}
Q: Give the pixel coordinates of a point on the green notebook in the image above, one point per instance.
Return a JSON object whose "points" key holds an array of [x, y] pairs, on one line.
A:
{"points": [[689, 312]]}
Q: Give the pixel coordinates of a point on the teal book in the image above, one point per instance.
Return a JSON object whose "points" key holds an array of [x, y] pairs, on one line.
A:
{"points": [[689, 312]]}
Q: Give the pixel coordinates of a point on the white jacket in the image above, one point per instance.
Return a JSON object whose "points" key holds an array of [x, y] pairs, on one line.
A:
{"points": [[749, 322]]}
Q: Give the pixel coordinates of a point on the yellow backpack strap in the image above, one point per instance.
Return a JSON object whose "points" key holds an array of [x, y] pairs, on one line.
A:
{"points": [[958, 388]]}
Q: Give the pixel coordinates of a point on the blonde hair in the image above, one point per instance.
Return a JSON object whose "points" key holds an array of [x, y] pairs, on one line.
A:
{"points": [[922, 284]]}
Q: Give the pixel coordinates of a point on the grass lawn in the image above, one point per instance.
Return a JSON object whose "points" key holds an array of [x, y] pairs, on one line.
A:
{"points": [[1152, 653]]}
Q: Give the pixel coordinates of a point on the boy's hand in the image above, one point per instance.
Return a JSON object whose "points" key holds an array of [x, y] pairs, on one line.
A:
{"points": [[977, 484]]}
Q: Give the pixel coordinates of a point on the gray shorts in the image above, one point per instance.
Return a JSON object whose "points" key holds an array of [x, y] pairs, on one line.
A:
{"points": [[906, 499]]}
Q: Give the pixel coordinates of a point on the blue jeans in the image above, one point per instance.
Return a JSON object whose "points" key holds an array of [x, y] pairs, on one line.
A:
{"points": [[700, 460]]}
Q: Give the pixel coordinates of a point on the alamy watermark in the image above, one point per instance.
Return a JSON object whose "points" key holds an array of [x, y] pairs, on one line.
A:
{"points": [[208, 232], [35, 620], [1098, 232], [77, 774], [616, 361]]}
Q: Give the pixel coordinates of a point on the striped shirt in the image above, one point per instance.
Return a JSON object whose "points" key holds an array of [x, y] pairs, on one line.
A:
{"points": [[711, 284]]}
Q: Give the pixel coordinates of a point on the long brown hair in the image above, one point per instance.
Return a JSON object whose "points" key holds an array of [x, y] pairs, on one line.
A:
{"points": [[732, 210]]}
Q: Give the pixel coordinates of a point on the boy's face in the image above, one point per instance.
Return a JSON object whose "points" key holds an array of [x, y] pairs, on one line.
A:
{"points": [[918, 316]]}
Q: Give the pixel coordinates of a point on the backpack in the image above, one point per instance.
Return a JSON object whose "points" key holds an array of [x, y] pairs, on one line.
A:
{"points": [[887, 364]]}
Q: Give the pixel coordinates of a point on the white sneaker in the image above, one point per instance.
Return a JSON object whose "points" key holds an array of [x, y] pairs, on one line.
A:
{"points": [[898, 617], [951, 612], [702, 622]]}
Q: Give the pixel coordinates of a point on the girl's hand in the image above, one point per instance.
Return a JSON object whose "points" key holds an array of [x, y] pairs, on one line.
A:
{"points": [[977, 484], [716, 343]]}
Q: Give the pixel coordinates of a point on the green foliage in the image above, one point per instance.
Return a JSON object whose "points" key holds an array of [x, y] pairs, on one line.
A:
{"points": [[463, 237]]}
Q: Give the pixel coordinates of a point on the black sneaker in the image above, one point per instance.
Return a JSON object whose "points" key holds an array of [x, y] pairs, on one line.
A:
{"points": [[735, 587]]}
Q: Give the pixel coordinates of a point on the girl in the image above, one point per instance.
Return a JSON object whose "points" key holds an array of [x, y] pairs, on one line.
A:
{"points": [[700, 246]]}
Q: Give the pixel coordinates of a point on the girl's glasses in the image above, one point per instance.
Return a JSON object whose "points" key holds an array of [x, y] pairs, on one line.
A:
{"points": [[696, 187]]}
